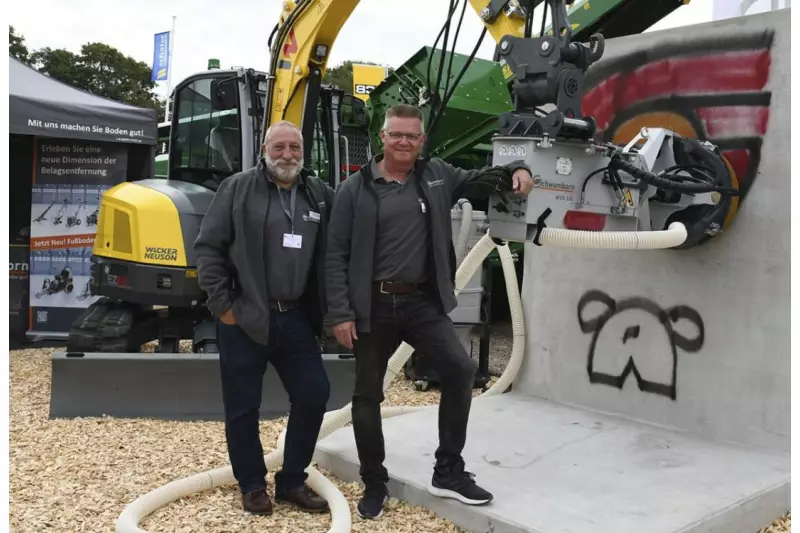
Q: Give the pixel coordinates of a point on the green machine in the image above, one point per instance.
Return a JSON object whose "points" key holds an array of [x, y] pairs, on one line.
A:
{"points": [[616, 18], [463, 131]]}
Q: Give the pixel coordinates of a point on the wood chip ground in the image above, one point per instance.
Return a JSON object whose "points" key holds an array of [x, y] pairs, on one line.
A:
{"points": [[78, 475]]}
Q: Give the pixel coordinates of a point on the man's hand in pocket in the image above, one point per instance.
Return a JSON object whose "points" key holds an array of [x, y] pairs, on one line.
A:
{"points": [[227, 318]]}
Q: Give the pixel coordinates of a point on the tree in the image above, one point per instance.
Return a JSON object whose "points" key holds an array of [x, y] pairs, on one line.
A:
{"points": [[16, 46], [341, 76], [99, 69]]}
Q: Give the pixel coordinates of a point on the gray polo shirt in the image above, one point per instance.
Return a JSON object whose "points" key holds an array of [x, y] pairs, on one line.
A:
{"points": [[402, 238], [288, 267]]}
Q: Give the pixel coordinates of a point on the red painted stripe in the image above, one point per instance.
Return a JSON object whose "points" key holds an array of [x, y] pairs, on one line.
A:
{"points": [[290, 47], [740, 161], [725, 72], [734, 121]]}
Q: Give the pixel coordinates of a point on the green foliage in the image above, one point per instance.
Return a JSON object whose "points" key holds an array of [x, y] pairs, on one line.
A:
{"points": [[99, 69], [341, 76], [16, 46]]}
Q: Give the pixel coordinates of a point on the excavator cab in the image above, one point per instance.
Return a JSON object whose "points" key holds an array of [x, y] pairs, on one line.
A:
{"points": [[217, 128], [215, 125]]}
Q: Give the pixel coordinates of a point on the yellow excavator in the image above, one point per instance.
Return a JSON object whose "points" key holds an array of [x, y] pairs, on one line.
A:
{"points": [[143, 265]]}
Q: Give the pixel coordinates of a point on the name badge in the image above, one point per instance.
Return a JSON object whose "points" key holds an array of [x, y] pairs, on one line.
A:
{"points": [[313, 216], [292, 241]]}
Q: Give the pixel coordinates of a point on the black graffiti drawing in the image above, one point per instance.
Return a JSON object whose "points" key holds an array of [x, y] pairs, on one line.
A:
{"points": [[636, 336]]}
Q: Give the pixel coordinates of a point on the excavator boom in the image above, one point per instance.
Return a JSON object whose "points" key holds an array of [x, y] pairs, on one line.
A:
{"points": [[303, 40]]}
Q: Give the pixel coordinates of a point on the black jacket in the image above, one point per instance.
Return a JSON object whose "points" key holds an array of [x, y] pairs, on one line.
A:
{"points": [[230, 251], [351, 237]]}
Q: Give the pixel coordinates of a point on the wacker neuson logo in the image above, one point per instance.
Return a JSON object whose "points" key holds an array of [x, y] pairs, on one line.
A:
{"points": [[156, 253], [540, 183]]}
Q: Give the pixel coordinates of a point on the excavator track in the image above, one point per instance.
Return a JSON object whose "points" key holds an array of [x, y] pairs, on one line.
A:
{"points": [[109, 326]]}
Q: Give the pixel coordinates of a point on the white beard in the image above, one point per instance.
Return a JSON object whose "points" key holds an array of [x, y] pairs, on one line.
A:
{"points": [[286, 174]]}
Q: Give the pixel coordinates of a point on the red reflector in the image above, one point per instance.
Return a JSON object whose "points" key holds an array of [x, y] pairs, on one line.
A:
{"points": [[584, 221]]}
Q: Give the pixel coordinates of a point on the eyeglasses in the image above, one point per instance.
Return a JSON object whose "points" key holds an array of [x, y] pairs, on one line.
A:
{"points": [[397, 135]]}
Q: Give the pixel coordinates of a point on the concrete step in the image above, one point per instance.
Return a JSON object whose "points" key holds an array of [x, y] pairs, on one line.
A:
{"points": [[557, 469]]}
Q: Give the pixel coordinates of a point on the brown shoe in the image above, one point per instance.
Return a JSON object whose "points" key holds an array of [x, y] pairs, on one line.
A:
{"points": [[303, 498], [257, 502]]}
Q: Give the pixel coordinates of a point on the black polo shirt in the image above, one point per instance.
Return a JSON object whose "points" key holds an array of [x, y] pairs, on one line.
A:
{"points": [[402, 238]]}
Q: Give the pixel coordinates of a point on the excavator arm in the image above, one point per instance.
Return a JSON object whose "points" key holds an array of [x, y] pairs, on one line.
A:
{"points": [[301, 44]]}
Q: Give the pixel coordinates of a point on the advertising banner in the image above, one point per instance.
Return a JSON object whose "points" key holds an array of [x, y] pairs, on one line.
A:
{"points": [[18, 285], [160, 57], [366, 78], [69, 179]]}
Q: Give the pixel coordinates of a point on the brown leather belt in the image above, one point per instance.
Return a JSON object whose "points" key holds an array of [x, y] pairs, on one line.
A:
{"points": [[398, 287], [279, 306]]}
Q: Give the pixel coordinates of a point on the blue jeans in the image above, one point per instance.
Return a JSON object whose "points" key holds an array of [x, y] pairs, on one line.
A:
{"points": [[293, 351]]}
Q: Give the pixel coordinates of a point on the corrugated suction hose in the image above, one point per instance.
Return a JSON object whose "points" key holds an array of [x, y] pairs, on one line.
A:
{"points": [[463, 229]]}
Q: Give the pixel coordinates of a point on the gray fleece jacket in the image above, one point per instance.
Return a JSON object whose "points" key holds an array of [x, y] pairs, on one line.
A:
{"points": [[230, 252]]}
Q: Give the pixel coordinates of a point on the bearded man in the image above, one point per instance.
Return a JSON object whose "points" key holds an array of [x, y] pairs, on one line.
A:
{"points": [[260, 256]]}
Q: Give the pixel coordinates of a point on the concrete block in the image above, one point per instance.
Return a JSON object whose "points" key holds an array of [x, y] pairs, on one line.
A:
{"points": [[555, 469], [707, 329], [167, 386]]}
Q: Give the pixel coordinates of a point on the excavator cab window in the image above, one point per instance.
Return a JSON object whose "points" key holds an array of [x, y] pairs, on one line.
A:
{"points": [[354, 112], [206, 147]]}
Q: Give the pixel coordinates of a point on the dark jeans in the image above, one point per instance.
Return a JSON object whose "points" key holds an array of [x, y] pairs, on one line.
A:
{"points": [[295, 354], [416, 319]]}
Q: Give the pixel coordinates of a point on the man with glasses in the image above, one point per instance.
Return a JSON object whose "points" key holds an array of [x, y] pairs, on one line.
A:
{"points": [[390, 270]]}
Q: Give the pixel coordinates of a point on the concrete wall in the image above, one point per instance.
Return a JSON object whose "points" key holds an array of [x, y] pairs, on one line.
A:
{"points": [[707, 328]]}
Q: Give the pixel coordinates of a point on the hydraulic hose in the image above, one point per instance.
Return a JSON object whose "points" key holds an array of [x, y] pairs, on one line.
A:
{"points": [[341, 522], [463, 230], [666, 183]]}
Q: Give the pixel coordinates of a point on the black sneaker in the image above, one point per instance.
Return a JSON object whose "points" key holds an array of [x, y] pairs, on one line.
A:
{"points": [[459, 486], [372, 501]]}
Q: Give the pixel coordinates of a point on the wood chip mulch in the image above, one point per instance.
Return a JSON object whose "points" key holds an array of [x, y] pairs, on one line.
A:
{"points": [[78, 475]]}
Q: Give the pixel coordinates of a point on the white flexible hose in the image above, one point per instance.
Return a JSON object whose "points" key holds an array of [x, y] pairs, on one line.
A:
{"points": [[615, 240], [517, 324], [463, 230], [136, 511]]}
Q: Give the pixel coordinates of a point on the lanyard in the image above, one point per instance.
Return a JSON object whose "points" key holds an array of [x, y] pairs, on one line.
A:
{"points": [[290, 211]]}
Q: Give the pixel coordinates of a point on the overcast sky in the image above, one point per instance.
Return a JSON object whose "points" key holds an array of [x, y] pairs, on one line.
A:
{"points": [[237, 34]]}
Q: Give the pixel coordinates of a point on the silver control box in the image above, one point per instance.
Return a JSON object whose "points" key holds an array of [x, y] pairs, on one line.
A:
{"points": [[568, 176]]}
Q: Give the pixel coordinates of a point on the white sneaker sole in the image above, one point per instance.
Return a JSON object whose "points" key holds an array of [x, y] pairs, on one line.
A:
{"points": [[445, 493]]}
